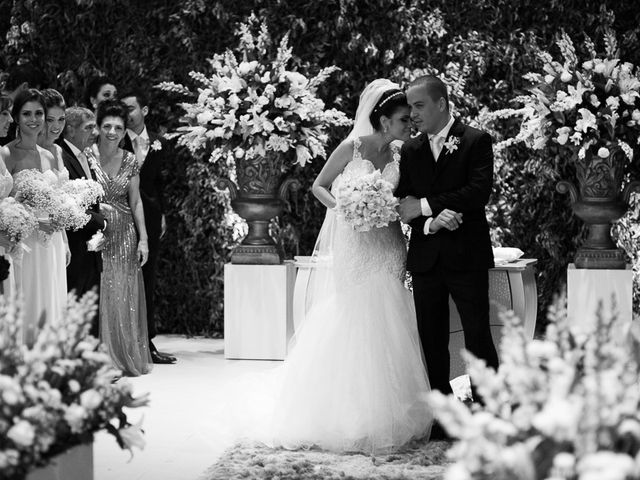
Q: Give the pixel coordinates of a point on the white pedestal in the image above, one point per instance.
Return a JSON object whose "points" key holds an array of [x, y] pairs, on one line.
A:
{"points": [[586, 288], [511, 287], [258, 320]]}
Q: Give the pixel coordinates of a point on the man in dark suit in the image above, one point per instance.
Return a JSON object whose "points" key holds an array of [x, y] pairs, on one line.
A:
{"points": [[83, 272], [150, 152], [446, 176]]}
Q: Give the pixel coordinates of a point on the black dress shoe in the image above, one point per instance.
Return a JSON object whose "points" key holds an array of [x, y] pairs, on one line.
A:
{"points": [[157, 358], [166, 355]]}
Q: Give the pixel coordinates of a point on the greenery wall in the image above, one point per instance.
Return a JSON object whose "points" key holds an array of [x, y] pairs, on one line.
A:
{"points": [[483, 46]]}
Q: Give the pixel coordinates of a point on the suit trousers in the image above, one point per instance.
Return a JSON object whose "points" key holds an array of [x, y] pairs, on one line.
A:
{"points": [[470, 293], [149, 275]]}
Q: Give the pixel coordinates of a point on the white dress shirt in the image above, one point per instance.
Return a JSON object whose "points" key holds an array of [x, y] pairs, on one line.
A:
{"points": [[436, 148], [140, 144]]}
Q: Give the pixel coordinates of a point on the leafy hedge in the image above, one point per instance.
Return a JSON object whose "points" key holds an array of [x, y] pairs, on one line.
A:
{"points": [[483, 46]]}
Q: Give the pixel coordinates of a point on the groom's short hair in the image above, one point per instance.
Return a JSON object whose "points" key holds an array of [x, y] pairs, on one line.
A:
{"points": [[436, 88]]}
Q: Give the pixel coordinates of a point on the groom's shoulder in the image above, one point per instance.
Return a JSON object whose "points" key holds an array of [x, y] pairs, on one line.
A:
{"points": [[413, 143]]}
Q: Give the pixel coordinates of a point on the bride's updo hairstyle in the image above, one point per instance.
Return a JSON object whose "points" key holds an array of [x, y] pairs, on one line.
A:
{"points": [[389, 102], [111, 108]]}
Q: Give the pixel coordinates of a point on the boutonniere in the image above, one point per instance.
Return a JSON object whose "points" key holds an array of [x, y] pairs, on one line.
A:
{"points": [[452, 144], [156, 145]]}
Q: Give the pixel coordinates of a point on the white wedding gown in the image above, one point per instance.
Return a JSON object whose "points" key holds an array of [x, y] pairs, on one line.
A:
{"points": [[355, 379]]}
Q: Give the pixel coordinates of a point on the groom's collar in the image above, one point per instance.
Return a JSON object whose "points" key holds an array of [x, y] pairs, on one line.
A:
{"points": [[444, 132]]}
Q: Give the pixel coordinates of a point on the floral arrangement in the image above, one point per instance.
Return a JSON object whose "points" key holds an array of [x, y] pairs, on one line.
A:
{"points": [[564, 407], [252, 104], [16, 221], [581, 106], [55, 393], [366, 201]]}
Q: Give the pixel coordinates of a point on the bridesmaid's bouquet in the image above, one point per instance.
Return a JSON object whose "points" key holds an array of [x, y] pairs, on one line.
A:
{"points": [[85, 192], [366, 201], [16, 220]]}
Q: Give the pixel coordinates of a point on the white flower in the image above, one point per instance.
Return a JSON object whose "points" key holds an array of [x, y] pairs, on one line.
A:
{"points": [[239, 152], [156, 145], [613, 102], [559, 419], [132, 436], [566, 76], [302, 155], [73, 385], [603, 152], [90, 399], [247, 67], [22, 433], [588, 65], [452, 144], [74, 416], [599, 67], [563, 135], [594, 100], [587, 121], [549, 78], [204, 117]]}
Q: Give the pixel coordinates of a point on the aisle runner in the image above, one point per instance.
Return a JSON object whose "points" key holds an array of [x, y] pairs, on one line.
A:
{"points": [[418, 460]]}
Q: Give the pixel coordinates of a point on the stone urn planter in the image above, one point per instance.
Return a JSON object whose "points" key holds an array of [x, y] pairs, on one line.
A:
{"points": [[599, 201], [259, 196], [75, 463]]}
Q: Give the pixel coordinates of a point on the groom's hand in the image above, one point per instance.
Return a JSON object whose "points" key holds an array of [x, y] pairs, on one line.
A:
{"points": [[446, 219], [409, 209]]}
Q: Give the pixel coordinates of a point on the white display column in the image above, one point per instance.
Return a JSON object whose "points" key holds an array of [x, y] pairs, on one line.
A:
{"points": [[258, 319], [586, 288]]}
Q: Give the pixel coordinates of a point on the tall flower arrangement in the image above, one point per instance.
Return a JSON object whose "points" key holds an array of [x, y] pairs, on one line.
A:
{"points": [[252, 104], [565, 407], [589, 105], [56, 393]]}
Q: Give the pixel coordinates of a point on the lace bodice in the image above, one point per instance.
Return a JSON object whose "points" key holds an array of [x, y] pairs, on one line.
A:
{"points": [[357, 255]]}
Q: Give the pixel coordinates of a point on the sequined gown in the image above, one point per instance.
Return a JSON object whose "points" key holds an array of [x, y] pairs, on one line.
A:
{"points": [[8, 285], [123, 312]]}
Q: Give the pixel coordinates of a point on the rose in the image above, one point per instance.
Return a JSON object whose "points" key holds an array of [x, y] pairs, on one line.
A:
{"points": [[90, 399], [603, 152]]}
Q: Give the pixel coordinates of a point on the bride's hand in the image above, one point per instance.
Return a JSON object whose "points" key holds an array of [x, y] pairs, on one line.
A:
{"points": [[143, 251], [46, 226]]}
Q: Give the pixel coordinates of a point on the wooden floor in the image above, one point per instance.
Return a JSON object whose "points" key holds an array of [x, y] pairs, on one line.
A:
{"points": [[182, 440]]}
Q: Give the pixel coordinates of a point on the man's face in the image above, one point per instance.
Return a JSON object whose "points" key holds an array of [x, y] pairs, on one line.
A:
{"points": [[135, 120], [84, 134], [427, 114]]}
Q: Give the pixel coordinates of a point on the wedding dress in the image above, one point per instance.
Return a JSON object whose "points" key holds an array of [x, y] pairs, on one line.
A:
{"points": [[354, 379]]}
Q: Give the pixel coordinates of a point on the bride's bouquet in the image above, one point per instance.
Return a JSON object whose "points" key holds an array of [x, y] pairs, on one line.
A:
{"points": [[16, 221], [85, 192], [366, 201]]}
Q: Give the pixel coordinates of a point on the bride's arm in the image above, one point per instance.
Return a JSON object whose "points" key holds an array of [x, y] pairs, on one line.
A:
{"points": [[334, 166]]}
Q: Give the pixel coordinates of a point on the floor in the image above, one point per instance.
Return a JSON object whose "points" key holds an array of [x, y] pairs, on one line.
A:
{"points": [[181, 443]]}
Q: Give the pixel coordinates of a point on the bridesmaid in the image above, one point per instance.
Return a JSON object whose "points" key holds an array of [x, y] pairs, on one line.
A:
{"points": [[123, 312], [41, 272], [7, 287]]}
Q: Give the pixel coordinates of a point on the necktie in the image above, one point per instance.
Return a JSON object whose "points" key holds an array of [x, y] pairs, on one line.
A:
{"points": [[84, 164], [139, 149], [436, 145]]}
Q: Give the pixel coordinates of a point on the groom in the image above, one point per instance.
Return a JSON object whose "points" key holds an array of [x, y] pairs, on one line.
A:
{"points": [[445, 181]]}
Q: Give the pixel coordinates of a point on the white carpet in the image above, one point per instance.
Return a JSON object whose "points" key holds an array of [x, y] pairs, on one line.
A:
{"points": [[181, 443]]}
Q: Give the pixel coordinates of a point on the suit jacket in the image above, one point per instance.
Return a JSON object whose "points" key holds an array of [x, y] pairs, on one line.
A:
{"points": [[151, 185], [81, 258], [461, 180]]}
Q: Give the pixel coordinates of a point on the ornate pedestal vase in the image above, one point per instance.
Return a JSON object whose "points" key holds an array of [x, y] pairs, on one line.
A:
{"points": [[599, 202], [258, 197]]}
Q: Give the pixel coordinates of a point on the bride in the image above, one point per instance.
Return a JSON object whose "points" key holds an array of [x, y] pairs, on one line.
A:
{"points": [[355, 379]]}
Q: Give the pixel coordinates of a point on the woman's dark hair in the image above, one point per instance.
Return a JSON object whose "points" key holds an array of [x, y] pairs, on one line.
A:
{"points": [[5, 103], [53, 98], [28, 95], [111, 107], [93, 88], [389, 102]]}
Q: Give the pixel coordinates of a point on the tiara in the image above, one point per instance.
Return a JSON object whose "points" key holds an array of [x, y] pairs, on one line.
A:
{"points": [[393, 95]]}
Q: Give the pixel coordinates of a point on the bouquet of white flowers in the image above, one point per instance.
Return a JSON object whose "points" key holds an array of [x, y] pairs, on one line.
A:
{"points": [[366, 201], [35, 189], [85, 192], [16, 220], [56, 393]]}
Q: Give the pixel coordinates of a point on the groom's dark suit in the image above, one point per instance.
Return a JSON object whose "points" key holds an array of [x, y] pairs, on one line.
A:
{"points": [[83, 271], [450, 262]]}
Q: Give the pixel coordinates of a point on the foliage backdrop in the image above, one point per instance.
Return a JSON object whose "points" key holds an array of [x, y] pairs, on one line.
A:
{"points": [[483, 47]]}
